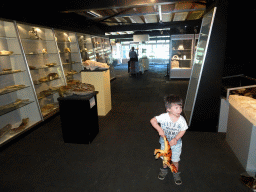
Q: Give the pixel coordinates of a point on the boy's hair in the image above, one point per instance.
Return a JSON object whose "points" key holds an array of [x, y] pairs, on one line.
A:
{"points": [[172, 99]]}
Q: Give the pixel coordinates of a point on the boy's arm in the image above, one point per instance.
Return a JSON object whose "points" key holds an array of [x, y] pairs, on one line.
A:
{"points": [[180, 134], [175, 140], [154, 123]]}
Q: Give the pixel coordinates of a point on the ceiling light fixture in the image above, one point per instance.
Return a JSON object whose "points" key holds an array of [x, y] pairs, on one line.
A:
{"points": [[160, 14], [94, 13]]}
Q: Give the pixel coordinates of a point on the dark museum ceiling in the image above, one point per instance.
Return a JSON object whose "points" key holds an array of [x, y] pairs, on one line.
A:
{"points": [[115, 17], [123, 17]]}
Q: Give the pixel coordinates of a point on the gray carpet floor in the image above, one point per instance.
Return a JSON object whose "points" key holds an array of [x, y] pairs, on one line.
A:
{"points": [[120, 159]]}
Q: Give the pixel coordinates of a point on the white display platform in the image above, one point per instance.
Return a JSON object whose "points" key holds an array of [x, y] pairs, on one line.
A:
{"points": [[101, 82], [241, 137]]}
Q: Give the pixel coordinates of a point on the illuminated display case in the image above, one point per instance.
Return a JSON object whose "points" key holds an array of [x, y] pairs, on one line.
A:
{"points": [[69, 53], [35, 62], [86, 47], [98, 45], [107, 51], [19, 109], [44, 63], [181, 52], [109, 58]]}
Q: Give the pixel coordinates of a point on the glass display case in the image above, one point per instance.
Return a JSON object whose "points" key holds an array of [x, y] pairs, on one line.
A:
{"points": [[107, 51], [109, 58], [233, 85], [86, 47], [181, 52], [98, 45], [241, 125], [19, 109], [44, 63], [70, 54]]}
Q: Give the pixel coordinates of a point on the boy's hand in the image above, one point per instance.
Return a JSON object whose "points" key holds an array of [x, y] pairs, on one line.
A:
{"points": [[173, 142]]}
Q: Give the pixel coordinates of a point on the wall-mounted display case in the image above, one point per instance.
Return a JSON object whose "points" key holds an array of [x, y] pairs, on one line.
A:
{"points": [[45, 66], [181, 55], [86, 47], [69, 53], [35, 62], [19, 109]]}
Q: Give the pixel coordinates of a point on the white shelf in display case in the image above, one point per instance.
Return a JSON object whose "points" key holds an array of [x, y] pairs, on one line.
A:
{"points": [[42, 56], [69, 53], [17, 96]]}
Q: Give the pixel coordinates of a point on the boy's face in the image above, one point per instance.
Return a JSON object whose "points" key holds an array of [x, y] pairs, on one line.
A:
{"points": [[175, 110]]}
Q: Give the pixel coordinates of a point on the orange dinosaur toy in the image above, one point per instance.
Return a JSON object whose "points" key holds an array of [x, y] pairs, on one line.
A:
{"points": [[167, 155]]}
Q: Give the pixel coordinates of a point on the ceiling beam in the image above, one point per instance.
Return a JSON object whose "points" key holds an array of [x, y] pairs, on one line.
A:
{"points": [[148, 26], [116, 14], [152, 13], [85, 5]]}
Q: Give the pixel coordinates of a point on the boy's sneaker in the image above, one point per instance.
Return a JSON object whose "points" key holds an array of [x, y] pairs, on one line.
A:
{"points": [[163, 172], [177, 178]]}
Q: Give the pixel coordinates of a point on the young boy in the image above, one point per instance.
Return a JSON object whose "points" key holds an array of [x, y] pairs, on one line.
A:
{"points": [[173, 126]]}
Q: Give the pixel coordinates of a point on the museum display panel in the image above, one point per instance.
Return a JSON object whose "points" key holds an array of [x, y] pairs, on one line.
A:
{"points": [[19, 109], [203, 100], [45, 66], [198, 65], [181, 52], [70, 54]]}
